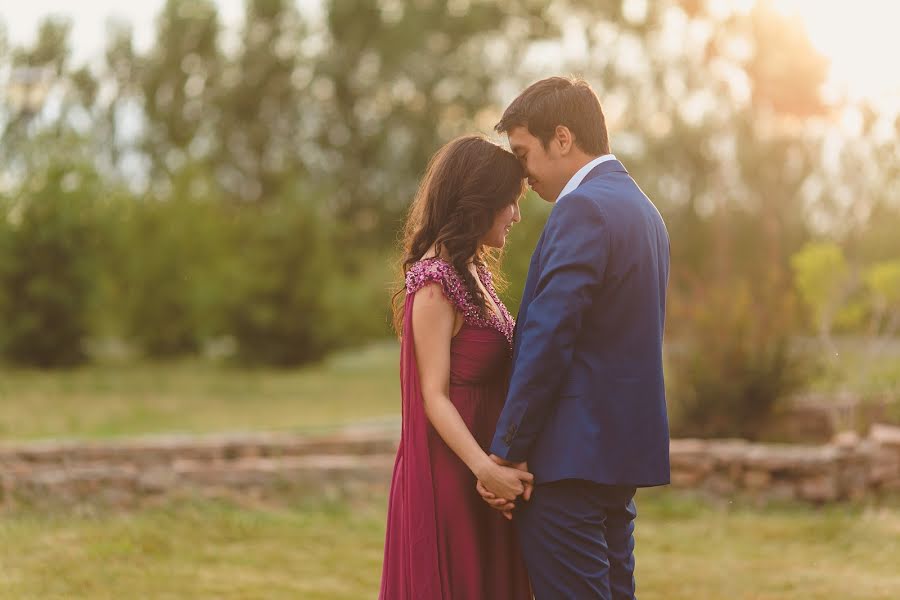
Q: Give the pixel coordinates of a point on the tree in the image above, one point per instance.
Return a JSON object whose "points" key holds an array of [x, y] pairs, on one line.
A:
{"points": [[408, 77], [48, 266], [260, 124], [883, 281], [178, 80], [824, 281]]}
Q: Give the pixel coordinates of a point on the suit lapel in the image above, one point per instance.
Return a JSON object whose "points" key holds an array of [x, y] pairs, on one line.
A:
{"points": [[603, 168]]}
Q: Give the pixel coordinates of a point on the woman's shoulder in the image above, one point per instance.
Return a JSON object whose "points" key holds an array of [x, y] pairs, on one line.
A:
{"points": [[437, 271]]}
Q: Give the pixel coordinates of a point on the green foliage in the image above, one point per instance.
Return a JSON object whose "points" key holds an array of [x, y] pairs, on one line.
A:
{"points": [[278, 312], [883, 281], [177, 82], [170, 282], [734, 364], [409, 76], [720, 126], [259, 109], [519, 247], [359, 290], [822, 277], [191, 270], [47, 268]]}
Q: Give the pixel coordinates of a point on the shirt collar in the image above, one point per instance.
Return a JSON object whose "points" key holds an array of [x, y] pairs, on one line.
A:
{"points": [[579, 176]]}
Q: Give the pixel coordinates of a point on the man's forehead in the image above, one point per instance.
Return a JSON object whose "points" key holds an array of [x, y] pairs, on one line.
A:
{"points": [[519, 137]]}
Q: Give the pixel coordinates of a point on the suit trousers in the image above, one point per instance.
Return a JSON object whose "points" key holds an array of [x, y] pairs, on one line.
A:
{"points": [[577, 539]]}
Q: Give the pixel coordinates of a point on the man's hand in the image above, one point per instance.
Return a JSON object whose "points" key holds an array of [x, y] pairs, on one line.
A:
{"points": [[522, 466], [505, 506], [502, 504]]}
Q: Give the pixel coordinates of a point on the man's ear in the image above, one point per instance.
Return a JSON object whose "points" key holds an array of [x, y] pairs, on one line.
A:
{"points": [[565, 139]]}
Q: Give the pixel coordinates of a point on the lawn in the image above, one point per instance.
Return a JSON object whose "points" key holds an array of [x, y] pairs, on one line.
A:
{"points": [[108, 400], [199, 396], [687, 549]]}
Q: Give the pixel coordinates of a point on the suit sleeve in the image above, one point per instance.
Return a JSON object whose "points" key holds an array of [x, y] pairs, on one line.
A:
{"points": [[572, 262]]}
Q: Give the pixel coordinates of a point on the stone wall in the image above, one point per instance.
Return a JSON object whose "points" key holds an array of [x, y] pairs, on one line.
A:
{"points": [[816, 418], [848, 468], [131, 472], [138, 471]]}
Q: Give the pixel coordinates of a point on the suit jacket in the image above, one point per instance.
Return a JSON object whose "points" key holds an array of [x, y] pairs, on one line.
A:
{"points": [[586, 398]]}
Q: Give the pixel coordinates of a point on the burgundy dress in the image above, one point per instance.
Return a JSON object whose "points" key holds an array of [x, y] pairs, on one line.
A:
{"points": [[443, 542]]}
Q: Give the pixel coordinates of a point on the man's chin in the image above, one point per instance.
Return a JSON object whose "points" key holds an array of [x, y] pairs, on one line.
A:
{"points": [[543, 194]]}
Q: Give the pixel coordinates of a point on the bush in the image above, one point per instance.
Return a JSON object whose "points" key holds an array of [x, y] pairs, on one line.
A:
{"points": [[359, 291], [280, 312], [169, 273], [47, 268], [732, 364]]}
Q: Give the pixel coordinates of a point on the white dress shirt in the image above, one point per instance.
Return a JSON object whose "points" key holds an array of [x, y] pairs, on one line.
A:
{"points": [[579, 176]]}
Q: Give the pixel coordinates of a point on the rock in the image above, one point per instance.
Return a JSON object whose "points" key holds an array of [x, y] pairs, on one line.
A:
{"points": [[157, 481], [791, 459], [781, 491], [885, 435], [818, 489], [253, 466], [719, 485], [757, 480], [846, 440], [686, 478]]}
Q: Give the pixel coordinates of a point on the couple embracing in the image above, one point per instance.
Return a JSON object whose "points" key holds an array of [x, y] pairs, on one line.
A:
{"points": [[523, 441]]}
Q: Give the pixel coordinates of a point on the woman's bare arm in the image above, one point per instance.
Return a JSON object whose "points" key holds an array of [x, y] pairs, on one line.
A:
{"points": [[434, 321]]}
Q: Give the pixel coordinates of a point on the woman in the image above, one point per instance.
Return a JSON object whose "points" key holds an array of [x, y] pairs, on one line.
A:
{"points": [[443, 542]]}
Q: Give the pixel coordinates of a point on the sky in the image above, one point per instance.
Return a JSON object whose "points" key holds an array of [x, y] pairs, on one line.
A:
{"points": [[861, 41]]}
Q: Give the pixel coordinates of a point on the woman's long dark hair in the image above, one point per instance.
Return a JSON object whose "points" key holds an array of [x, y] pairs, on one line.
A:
{"points": [[467, 182]]}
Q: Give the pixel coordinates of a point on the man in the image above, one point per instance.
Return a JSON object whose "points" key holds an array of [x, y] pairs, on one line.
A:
{"points": [[586, 411]]}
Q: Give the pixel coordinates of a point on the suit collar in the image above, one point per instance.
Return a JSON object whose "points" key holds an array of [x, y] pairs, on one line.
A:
{"points": [[610, 166], [579, 175]]}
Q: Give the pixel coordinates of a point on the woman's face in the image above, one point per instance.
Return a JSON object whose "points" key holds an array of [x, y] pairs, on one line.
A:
{"points": [[503, 222]]}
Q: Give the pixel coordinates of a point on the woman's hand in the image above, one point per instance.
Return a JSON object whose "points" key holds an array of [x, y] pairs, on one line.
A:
{"points": [[504, 482], [500, 503]]}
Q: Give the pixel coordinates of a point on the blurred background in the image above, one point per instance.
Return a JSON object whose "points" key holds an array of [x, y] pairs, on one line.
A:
{"points": [[199, 209]]}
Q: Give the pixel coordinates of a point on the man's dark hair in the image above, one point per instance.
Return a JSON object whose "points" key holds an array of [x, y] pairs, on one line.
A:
{"points": [[555, 101]]}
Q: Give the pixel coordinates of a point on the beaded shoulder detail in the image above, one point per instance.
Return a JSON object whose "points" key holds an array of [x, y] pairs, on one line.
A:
{"points": [[440, 271]]}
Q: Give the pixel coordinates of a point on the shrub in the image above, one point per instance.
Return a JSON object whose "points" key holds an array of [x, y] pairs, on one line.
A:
{"points": [[279, 313], [733, 363], [47, 268], [170, 276]]}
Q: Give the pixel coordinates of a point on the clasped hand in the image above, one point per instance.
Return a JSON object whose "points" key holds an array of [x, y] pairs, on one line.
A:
{"points": [[502, 482]]}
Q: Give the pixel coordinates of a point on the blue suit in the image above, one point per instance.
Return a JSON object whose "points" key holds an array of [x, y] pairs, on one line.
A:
{"points": [[586, 405]]}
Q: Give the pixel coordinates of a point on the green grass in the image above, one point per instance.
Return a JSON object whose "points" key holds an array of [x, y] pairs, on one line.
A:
{"points": [[693, 551], [192, 550], [197, 396], [687, 549]]}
